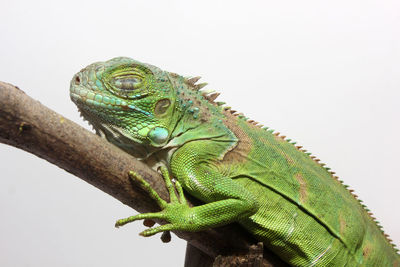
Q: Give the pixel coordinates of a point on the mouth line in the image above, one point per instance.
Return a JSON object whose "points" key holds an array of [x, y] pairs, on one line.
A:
{"points": [[83, 96]]}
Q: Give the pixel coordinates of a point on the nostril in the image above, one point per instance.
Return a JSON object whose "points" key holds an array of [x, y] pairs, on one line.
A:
{"points": [[77, 80]]}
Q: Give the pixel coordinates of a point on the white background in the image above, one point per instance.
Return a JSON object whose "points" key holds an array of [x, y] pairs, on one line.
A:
{"points": [[324, 73]]}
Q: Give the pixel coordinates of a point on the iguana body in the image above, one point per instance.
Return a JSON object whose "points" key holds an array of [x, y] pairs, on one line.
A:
{"points": [[242, 172]]}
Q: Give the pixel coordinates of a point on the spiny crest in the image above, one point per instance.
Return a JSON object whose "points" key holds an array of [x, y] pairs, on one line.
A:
{"points": [[209, 95], [191, 82]]}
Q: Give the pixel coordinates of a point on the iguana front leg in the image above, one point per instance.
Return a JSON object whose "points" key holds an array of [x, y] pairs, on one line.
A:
{"points": [[226, 200], [168, 210]]}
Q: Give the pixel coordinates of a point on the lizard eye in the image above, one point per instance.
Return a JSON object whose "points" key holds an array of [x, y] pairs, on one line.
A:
{"points": [[128, 83]]}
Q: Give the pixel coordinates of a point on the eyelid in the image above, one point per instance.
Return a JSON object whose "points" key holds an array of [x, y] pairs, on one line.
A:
{"points": [[128, 83]]}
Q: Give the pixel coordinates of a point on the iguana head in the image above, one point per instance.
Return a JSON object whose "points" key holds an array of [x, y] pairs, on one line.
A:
{"points": [[142, 108], [126, 101]]}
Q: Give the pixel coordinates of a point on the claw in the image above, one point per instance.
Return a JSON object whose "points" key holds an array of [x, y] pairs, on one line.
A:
{"points": [[148, 223], [166, 237]]}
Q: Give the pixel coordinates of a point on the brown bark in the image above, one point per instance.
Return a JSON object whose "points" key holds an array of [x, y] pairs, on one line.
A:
{"points": [[28, 125]]}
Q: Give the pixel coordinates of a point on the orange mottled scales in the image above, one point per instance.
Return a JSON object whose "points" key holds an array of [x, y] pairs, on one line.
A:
{"points": [[241, 171], [303, 205]]}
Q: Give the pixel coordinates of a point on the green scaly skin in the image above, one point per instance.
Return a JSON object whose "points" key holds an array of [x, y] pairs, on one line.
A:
{"points": [[242, 172]]}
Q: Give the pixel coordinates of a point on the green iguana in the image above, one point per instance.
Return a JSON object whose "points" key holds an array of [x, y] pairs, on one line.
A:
{"points": [[243, 172]]}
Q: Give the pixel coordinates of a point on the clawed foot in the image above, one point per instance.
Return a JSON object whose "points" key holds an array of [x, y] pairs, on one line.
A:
{"points": [[172, 212]]}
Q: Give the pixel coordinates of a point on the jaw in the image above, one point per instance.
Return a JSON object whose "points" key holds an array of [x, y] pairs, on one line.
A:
{"points": [[116, 135]]}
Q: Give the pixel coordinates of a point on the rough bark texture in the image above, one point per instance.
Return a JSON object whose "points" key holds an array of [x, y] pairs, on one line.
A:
{"points": [[28, 125]]}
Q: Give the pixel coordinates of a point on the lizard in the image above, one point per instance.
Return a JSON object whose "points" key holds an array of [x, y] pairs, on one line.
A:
{"points": [[241, 171]]}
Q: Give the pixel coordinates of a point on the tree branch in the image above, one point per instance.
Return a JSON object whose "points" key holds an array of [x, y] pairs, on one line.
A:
{"points": [[28, 125]]}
